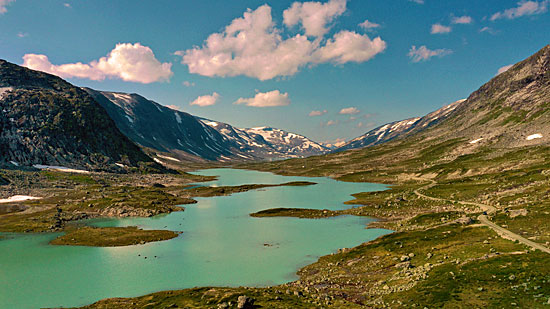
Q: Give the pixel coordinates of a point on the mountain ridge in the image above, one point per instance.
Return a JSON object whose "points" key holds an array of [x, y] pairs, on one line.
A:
{"points": [[48, 121], [189, 137]]}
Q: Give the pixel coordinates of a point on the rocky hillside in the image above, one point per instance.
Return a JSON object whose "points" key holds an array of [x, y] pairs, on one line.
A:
{"points": [[511, 110], [47, 121], [400, 129], [155, 126]]}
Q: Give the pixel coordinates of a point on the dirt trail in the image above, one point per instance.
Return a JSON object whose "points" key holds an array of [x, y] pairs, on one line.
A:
{"points": [[488, 210]]}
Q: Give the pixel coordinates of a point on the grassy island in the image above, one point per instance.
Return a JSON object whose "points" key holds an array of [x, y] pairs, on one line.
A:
{"points": [[111, 236], [297, 213]]}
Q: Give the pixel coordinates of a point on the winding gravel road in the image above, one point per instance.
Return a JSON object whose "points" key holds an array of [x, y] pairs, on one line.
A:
{"points": [[488, 209]]}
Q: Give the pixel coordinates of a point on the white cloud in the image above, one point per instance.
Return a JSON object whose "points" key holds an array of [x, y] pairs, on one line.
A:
{"points": [[3, 5], [348, 46], [174, 107], [524, 8], [439, 28], [206, 100], [417, 1], [67, 5], [314, 16], [488, 30], [423, 53], [367, 25], [254, 47], [504, 69], [462, 20], [129, 62], [349, 111], [22, 34], [317, 113], [330, 123], [266, 99], [188, 84]]}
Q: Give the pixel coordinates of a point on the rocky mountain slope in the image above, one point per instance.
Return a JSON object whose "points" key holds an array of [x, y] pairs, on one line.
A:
{"points": [[153, 125], [156, 126], [47, 121], [399, 129], [511, 110]]}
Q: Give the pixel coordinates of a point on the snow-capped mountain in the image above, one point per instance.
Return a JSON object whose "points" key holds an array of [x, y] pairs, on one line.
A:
{"points": [[267, 142], [400, 128], [153, 125]]}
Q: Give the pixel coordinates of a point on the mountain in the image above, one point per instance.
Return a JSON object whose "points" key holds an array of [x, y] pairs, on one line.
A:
{"points": [[47, 121], [155, 126], [502, 126], [511, 110], [400, 129], [267, 142]]}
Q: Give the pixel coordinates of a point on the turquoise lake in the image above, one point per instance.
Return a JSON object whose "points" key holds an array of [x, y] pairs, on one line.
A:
{"points": [[221, 245]]}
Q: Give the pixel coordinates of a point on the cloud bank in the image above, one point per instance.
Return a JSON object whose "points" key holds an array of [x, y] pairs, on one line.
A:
{"points": [[524, 8], [313, 16], [206, 100], [504, 69], [368, 25], [317, 113], [439, 29], [423, 53], [3, 5], [253, 46], [129, 62], [266, 99], [462, 20], [349, 111]]}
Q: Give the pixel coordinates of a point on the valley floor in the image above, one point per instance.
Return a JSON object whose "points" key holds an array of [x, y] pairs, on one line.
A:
{"points": [[471, 230]]}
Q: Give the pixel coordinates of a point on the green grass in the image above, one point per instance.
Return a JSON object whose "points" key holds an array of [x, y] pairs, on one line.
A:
{"points": [[111, 236]]}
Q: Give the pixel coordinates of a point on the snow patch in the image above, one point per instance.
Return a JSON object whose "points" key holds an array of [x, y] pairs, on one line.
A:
{"points": [[168, 158], [534, 136], [18, 198], [59, 168], [178, 118], [158, 161], [122, 97], [120, 165], [129, 119], [476, 140], [14, 163]]}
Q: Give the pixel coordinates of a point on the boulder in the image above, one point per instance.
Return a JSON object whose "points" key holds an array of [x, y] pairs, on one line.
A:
{"points": [[244, 302]]}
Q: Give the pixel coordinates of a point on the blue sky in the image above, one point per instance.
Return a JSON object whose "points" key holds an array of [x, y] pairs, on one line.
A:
{"points": [[281, 63]]}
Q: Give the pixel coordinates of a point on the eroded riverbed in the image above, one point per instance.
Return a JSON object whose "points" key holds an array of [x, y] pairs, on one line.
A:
{"points": [[221, 245]]}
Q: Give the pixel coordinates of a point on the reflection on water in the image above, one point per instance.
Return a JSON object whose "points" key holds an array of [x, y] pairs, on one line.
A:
{"points": [[221, 245]]}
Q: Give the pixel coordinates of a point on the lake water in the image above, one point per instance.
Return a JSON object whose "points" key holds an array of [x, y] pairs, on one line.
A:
{"points": [[221, 245]]}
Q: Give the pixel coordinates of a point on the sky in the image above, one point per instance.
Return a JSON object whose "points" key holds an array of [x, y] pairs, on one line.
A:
{"points": [[329, 70]]}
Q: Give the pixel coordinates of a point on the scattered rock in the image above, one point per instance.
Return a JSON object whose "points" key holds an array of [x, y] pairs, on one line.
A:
{"points": [[244, 302], [517, 212], [465, 220]]}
